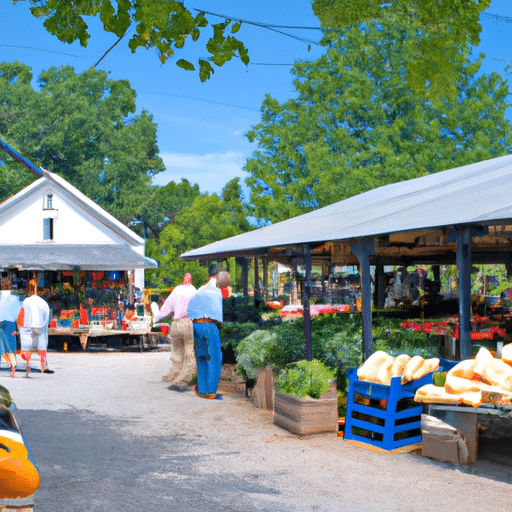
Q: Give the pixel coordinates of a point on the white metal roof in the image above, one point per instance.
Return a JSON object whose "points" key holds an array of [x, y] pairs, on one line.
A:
{"points": [[479, 193], [49, 256]]}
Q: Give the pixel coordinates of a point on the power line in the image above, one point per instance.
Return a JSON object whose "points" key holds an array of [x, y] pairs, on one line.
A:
{"points": [[260, 23], [497, 17], [268, 26], [41, 50], [198, 99], [268, 64]]}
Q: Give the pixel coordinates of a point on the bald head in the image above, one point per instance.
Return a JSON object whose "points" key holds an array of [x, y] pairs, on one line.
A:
{"points": [[187, 278], [223, 279]]}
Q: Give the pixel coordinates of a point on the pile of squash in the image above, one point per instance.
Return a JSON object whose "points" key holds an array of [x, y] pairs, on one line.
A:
{"points": [[381, 368]]}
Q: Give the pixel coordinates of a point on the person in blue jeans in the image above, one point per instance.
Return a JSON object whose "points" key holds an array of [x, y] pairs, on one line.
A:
{"points": [[205, 311]]}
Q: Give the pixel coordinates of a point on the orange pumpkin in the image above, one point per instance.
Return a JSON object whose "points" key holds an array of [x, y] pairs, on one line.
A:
{"points": [[19, 477]]}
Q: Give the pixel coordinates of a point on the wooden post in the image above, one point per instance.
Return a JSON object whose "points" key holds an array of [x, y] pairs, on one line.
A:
{"points": [[257, 291], [464, 270], [265, 279], [245, 274], [306, 300], [380, 286], [363, 248]]}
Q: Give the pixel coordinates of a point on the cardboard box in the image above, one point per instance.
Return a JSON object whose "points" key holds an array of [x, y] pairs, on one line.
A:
{"points": [[442, 442], [441, 447]]}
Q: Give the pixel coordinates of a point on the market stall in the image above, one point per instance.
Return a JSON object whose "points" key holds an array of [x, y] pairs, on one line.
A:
{"points": [[87, 265], [458, 217], [92, 307]]}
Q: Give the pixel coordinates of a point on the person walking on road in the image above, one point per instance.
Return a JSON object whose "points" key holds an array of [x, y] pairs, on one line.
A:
{"points": [[205, 311], [32, 323], [183, 359], [10, 306]]}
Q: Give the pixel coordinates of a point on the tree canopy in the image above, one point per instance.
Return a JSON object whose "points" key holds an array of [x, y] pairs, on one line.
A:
{"points": [[447, 27], [356, 124], [166, 25], [157, 210], [83, 128], [161, 24], [208, 219]]}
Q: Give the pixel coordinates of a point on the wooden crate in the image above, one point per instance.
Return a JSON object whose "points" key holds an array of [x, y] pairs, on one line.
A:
{"points": [[306, 415]]}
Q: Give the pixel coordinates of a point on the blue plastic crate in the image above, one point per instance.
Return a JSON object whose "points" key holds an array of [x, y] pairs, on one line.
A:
{"points": [[390, 424]]}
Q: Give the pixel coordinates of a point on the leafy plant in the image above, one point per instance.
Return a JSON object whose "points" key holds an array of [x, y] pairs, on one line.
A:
{"points": [[336, 342], [242, 309], [389, 337], [231, 333], [253, 352], [305, 378]]}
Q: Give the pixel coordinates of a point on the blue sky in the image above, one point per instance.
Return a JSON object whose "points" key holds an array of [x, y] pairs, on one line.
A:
{"points": [[201, 126]]}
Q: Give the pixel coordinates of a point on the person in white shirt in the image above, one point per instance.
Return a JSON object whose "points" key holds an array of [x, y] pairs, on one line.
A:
{"points": [[32, 322], [205, 311]]}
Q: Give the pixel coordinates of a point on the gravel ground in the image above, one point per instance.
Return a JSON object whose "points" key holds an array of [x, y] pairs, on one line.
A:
{"points": [[108, 434]]}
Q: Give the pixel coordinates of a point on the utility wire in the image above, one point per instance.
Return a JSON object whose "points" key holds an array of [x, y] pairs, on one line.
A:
{"points": [[268, 64], [41, 50], [497, 17], [260, 23], [198, 99], [268, 26]]}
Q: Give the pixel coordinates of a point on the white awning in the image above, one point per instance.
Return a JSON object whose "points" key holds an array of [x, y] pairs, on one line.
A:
{"points": [[48, 256]]}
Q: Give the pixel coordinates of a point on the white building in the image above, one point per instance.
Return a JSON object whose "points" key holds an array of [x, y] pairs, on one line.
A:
{"points": [[51, 225]]}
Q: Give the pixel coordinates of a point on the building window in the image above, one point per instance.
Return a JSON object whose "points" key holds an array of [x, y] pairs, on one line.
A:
{"points": [[48, 203], [48, 229]]}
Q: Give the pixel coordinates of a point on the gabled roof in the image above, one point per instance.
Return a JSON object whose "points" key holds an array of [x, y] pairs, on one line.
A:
{"points": [[479, 193], [95, 211]]}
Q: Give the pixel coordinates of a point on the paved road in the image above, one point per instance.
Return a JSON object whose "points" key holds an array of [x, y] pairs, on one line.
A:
{"points": [[108, 434]]}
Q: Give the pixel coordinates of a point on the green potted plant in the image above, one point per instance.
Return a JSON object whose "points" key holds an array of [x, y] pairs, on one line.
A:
{"points": [[305, 399], [253, 355]]}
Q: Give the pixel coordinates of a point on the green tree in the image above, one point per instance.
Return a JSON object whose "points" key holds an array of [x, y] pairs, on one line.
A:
{"points": [[162, 24], [161, 207], [355, 124], [81, 127], [208, 219], [447, 28], [167, 24]]}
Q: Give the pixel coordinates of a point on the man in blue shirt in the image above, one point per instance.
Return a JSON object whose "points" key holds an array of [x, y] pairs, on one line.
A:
{"points": [[205, 311]]}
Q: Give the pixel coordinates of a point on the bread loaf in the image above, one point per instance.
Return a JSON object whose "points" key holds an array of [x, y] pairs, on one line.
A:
{"points": [[370, 368], [506, 353], [384, 373], [428, 366], [399, 365], [434, 394], [492, 370], [410, 368]]}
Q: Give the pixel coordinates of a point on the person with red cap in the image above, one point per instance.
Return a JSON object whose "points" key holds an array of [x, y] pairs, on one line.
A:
{"points": [[182, 335]]}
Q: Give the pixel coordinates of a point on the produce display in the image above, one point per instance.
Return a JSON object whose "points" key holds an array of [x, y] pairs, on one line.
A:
{"points": [[482, 328], [482, 380], [381, 368], [317, 309]]}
